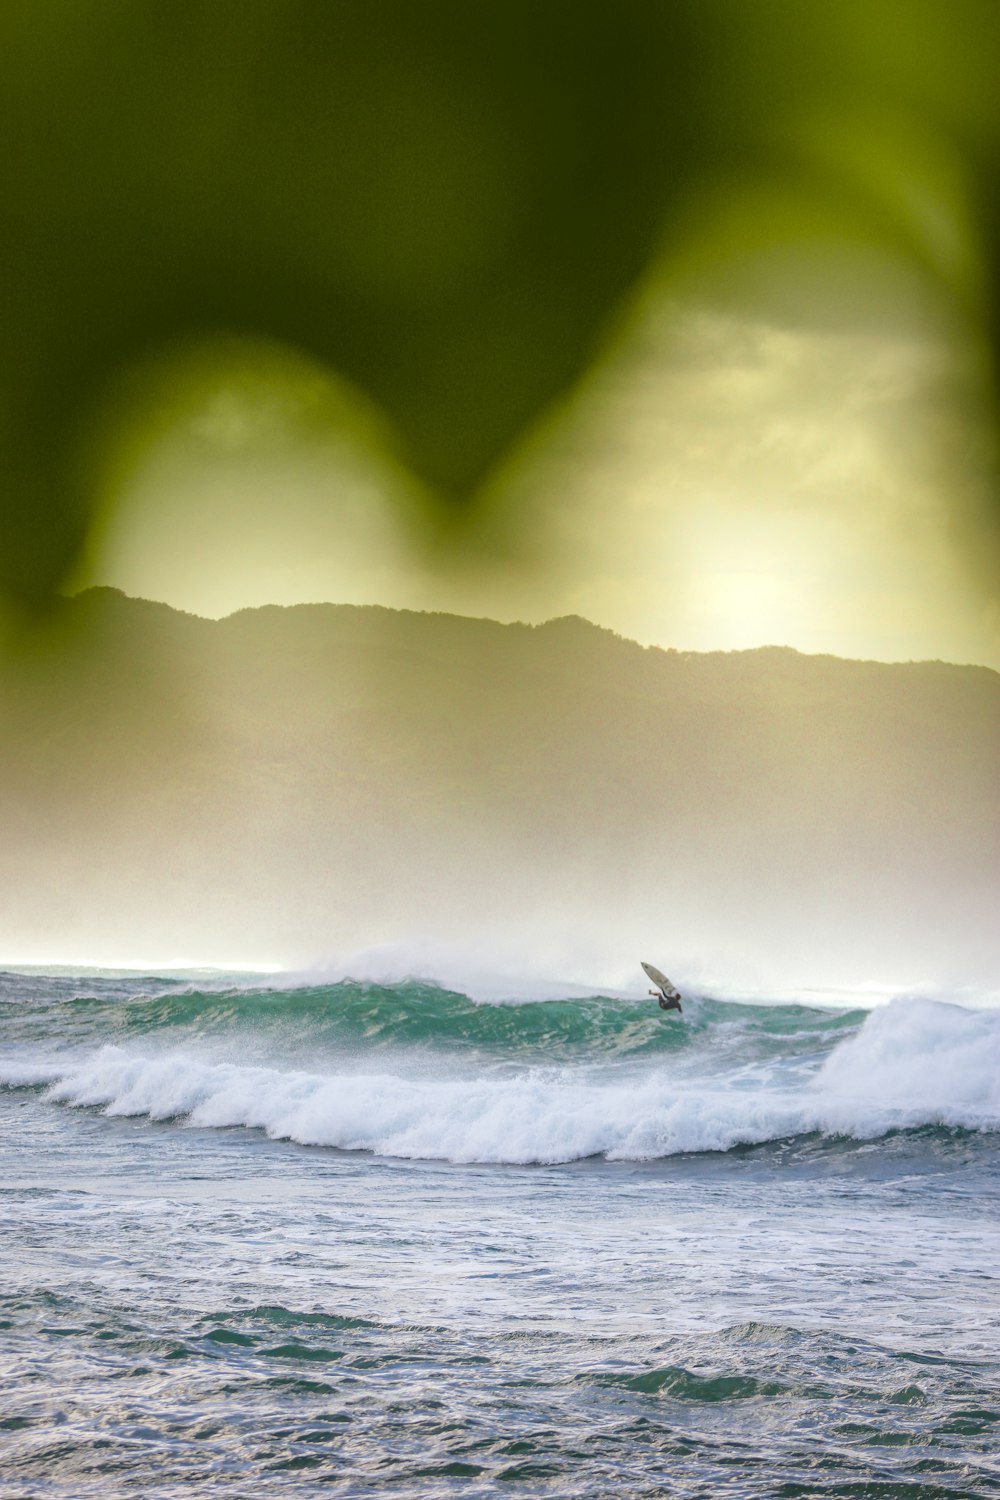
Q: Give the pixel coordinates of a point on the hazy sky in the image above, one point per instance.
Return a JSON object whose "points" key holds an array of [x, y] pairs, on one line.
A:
{"points": [[721, 481]]}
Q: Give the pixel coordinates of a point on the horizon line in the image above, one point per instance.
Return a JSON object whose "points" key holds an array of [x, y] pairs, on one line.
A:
{"points": [[938, 661]]}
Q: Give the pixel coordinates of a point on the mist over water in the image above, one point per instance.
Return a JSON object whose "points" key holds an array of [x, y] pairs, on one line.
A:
{"points": [[538, 801], [391, 1236]]}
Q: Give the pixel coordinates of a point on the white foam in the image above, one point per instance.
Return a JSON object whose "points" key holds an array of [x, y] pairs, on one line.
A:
{"points": [[917, 1062], [24, 1075], [913, 1063]]}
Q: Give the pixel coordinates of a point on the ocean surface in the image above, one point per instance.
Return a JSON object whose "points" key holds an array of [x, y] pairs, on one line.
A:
{"points": [[263, 1237]]}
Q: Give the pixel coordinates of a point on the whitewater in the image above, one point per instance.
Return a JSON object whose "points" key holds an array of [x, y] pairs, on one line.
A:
{"points": [[387, 1233]]}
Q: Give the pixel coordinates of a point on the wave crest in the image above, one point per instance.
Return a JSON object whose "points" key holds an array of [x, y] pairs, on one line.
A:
{"points": [[916, 1063]]}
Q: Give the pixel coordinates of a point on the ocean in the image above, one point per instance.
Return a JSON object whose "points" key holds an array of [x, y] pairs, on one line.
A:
{"points": [[266, 1236]]}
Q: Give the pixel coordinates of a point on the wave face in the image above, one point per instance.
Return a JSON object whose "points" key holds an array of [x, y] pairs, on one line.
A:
{"points": [[415, 1070]]}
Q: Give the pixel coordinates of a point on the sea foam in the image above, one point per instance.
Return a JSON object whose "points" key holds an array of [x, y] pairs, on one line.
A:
{"points": [[913, 1063]]}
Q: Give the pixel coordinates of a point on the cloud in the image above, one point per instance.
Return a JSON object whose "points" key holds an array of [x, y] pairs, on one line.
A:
{"points": [[721, 481]]}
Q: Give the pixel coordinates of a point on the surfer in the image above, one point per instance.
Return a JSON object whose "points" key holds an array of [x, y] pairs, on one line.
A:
{"points": [[668, 996]]}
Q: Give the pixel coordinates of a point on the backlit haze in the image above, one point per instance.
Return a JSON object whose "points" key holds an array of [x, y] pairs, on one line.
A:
{"points": [[680, 321], [722, 481]]}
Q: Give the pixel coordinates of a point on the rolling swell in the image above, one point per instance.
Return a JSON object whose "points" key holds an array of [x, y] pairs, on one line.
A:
{"points": [[419, 1014], [912, 1064], [192, 1308], [417, 1070]]}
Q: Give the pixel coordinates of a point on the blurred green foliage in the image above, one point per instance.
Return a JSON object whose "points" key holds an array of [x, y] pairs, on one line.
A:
{"points": [[445, 202]]}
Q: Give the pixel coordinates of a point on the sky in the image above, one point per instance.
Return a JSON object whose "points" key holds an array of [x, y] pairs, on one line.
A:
{"points": [[748, 252], [723, 479]]}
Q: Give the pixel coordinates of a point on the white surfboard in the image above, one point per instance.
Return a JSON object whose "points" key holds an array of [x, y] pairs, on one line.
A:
{"points": [[660, 979]]}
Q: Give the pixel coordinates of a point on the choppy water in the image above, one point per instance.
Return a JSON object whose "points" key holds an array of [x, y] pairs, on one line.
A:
{"points": [[384, 1238]]}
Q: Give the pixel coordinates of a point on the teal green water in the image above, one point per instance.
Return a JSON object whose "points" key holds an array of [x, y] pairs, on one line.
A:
{"points": [[416, 1014], [362, 1238]]}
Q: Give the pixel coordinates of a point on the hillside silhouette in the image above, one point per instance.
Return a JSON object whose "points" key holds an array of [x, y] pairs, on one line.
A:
{"points": [[291, 781]]}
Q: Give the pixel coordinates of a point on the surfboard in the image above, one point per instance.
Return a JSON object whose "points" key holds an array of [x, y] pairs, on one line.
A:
{"points": [[661, 980]]}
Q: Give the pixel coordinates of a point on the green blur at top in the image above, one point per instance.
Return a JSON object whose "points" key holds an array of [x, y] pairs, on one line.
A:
{"points": [[444, 205]]}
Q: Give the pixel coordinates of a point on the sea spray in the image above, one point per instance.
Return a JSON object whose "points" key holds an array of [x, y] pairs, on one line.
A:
{"points": [[716, 1083], [363, 1014], [222, 1308]]}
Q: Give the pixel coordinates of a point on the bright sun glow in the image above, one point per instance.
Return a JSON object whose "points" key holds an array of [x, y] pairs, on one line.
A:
{"points": [[719, 484]]}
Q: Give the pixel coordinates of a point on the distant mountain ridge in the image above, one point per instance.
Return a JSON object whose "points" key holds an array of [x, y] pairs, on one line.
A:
{"points": [[289, 780]]}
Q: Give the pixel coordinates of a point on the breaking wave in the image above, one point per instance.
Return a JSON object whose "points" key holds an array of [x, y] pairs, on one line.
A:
{"points": [[723, 1081], [416, 1013]]}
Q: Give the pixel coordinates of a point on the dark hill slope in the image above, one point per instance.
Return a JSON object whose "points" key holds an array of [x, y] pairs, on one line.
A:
{"points": [[287, 780]]}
